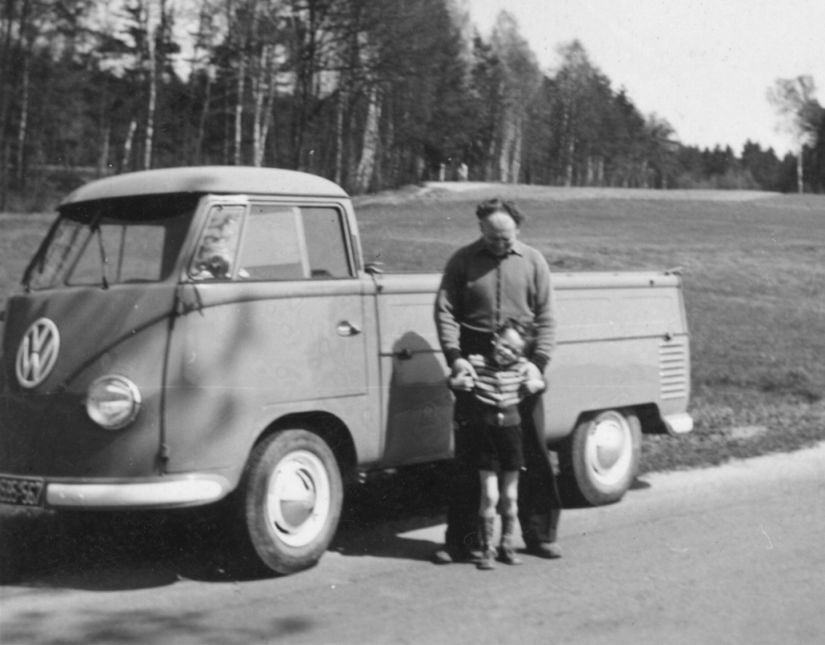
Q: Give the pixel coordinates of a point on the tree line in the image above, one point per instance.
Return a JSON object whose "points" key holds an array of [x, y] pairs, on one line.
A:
{"points": [[373, 94]]}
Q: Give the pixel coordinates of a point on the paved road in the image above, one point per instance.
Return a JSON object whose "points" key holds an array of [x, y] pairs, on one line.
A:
{"points": [[725, 555]]}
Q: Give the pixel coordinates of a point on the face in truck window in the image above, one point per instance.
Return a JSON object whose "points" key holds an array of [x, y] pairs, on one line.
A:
{"points": [[218, 243], [112, 242]]}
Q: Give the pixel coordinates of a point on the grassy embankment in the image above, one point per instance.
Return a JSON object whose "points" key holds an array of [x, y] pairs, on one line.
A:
{"points": [[754, 276]]}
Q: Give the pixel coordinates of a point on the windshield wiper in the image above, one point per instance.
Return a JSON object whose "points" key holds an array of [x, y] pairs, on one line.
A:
{"points": [[94, 225], [39, 258], [96, 230]]}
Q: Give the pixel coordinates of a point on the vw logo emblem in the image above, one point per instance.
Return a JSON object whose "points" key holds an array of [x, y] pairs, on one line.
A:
{"points": [[37, 353]]}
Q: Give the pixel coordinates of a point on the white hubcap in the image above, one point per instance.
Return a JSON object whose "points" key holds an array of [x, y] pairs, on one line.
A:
{"points": [[609, 448], [298, 499]]}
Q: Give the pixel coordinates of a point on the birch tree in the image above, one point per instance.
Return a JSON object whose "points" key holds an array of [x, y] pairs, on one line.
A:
{"points": [[203, 70], [369, 148], [26, 41], [241, 15], [150, 26], [521, 79], [583, 102], [11, 26], [794, 100]]}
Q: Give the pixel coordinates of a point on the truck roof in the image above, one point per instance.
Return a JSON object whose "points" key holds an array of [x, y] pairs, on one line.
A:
{"points": [[207, 179]]}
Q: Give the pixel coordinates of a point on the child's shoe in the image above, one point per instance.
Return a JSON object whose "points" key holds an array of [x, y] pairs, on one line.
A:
{"points": [[487, 561], [486, 529], [507, 555], [506, 552]]}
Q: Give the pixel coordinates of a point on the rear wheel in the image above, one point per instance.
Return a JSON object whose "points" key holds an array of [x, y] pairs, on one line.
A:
{"points": [[291, 497], [600, 460]]}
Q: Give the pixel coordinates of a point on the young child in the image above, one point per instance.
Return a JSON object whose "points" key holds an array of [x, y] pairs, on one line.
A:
{"points": [[499, 385]]}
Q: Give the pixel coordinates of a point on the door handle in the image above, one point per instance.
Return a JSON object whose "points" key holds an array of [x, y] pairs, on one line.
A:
{"points": [[346, 328]]}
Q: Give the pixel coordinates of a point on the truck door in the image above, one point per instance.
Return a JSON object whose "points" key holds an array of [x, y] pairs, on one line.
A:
{"points": [[272, 324]]}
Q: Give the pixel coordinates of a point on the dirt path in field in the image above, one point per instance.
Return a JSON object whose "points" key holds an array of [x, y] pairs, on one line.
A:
{"points": [[448, 190]]}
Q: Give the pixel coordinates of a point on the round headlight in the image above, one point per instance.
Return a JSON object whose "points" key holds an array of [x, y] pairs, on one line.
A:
{"points": [[113, 402]]}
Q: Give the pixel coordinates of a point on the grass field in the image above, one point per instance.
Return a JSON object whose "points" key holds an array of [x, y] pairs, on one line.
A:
{"points": [[754, 277], [753, 268]]}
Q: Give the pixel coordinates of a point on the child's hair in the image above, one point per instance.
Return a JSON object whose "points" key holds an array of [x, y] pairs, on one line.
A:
{"points": [[527, 331]]}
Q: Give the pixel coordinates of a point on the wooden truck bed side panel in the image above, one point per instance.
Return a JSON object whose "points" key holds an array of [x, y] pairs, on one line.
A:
{"points": [[621, 341]]}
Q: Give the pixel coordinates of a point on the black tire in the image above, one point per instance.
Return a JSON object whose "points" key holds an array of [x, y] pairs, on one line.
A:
{"points": [[291, 496], [600, 460]]}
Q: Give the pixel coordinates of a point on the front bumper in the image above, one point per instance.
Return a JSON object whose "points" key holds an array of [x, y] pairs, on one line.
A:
{"points": [[678, 424], [160, 493]]}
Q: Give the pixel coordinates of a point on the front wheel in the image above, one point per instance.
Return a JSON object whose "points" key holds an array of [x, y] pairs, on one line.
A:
{"points": [[600, 459], [291, 496]]}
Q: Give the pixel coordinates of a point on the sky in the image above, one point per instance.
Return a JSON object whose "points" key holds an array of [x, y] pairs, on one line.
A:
{"points": [[704, 66]]}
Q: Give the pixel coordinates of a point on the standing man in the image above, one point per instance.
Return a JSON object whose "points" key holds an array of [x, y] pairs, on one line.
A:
{"points": [[492, 280]]}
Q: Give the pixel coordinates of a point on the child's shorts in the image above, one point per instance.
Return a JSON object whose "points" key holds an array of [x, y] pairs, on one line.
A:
{"points": [[499, 448]]}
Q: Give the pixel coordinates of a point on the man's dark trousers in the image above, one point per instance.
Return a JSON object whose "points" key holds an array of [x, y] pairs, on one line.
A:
{"points": [[539, 502]]}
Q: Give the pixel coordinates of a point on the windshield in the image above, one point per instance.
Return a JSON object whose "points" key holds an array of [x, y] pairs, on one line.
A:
{"points": [[112, 241]]}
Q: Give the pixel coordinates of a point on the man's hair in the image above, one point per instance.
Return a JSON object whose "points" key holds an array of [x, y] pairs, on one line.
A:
{"points": [[498, 205]]}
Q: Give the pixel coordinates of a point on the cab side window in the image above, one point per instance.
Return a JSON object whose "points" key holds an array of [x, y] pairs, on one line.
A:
{"points": [[293, 243], [273, 246], [326, 243]]}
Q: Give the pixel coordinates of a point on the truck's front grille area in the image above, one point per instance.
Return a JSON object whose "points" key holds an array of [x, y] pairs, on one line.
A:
{"points": [[673, 368]]}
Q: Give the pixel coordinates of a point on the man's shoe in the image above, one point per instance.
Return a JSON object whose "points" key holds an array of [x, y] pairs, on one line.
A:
{"points": [[548, 550], [442, 556], [448, 555]]}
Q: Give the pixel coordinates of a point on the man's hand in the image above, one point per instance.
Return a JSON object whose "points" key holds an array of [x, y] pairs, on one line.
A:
{"points": [[462, 375], [533, 380]]}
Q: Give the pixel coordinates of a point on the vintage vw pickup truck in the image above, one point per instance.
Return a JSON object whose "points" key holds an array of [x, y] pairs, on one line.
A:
{"points": [[190, 336]]}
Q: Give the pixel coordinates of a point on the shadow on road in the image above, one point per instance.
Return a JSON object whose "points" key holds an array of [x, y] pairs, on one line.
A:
{"points": [[639, 484], [121, 551], [379, 512]]}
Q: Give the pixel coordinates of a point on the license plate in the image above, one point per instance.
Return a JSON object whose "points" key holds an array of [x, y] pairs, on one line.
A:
{"points": [[21, 491]]}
